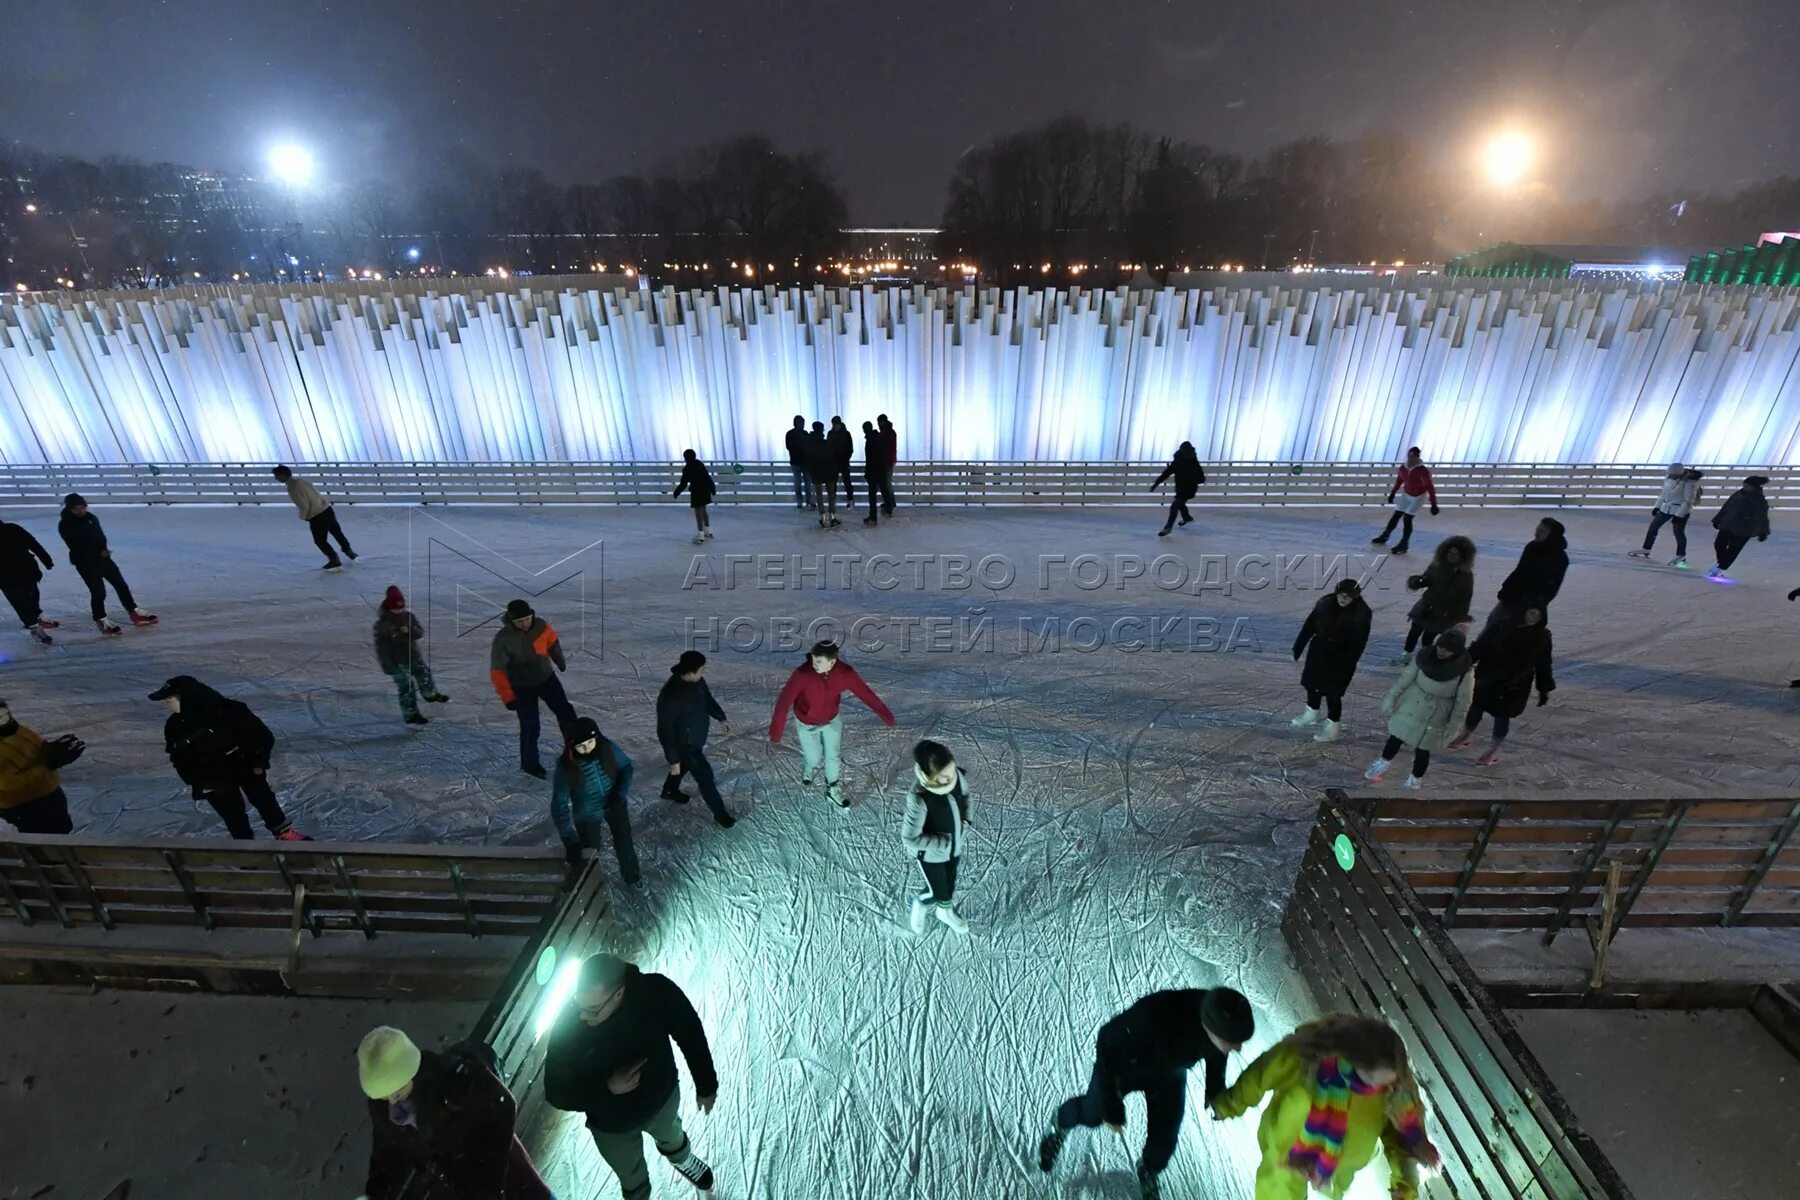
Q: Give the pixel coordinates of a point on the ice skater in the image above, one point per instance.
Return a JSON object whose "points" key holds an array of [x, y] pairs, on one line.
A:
{"points": [[1333, 638], [814, 692], [1446, 587], [1185, 467], [931, 829], [685, 711], [1342, 1090], [93, 561], [1425, 704], [796, 452], [1411, 484], [593, 784], [443, 1118], [222, 751], [890, 458], [1680, 493], [523, 662], [31, 796], [20, 554], [1745, 515], [609, 1059], [1150, 1048], [1543, 564], [400, 649], [1508, 657], [843, 449], [697, 481], [319, 515], [874, 451], [1792, 596], [821, 469]]}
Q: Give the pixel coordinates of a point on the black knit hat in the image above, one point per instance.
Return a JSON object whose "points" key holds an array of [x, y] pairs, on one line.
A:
{"points": [[689, 662], [1225, 1014], [583, 729], [518, 608]]}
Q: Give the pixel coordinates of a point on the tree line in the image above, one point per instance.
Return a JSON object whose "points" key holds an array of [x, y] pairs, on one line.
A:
{"points": [[1069, 192]]}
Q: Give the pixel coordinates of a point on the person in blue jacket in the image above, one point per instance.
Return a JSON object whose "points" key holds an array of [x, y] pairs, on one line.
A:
{"points": [[591, 783]]}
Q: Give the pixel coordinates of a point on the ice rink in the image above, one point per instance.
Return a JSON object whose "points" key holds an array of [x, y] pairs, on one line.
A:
{"points": [[1139, 799]]}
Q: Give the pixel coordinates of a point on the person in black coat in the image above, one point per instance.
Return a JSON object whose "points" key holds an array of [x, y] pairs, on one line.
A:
{"points": [[1744, 516], [698, 483], [685, 711], [1539, 576], [1337, 631], [1149, 1048], [796, 452], [1448, 587], [1185, 467], [93, 561], [221, 750], [1508, 659], [609, 1059], [843, 449], [443, 1123], [20, 554], [1792, 596], [821, 465], [874, 468]]}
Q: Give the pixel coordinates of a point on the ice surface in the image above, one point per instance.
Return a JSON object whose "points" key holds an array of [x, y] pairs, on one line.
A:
{"points": [[1137, 815]]}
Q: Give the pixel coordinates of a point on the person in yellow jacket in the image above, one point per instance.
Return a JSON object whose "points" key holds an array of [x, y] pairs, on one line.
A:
{"points": [[1340, 1086], [31, 795]]}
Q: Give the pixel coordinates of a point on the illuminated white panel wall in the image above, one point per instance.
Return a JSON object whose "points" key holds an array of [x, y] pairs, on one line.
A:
{"points": [[555, 371]]}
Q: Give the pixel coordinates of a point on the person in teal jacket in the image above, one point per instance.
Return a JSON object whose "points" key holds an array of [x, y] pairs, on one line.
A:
{"points": [[591, 783]]}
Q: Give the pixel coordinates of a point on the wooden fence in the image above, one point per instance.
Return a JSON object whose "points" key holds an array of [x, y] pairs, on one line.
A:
{"points": [[1364, 943], [1604, 863], [1051, 484]]}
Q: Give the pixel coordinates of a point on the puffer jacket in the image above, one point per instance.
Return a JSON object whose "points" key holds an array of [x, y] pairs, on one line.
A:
{"points": [[398, 640], [1448, 590], [1679, 493], [583, 786], [1508, 660], [524, 658], [20, 554], [932, 826], [1745, 514], [698, 483], [214, 742], [1423, 712], [25, 770]]}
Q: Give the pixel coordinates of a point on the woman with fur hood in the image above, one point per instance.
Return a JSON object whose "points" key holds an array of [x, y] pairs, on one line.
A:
{"points": [[1680, 493], [1335, 633], [1448, 587], [1425, 705], [1508, 657]]}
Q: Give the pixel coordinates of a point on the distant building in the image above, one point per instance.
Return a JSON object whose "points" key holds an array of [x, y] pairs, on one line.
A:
{"points": [[1562, 262]]}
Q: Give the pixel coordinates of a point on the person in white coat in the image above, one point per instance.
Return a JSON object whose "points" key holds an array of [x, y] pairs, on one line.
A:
{"points": [[1427, 704], [1680, 493], [937, 810], [319, 515]]}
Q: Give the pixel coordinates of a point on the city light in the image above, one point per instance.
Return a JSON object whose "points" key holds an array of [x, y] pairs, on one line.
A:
{"points": [[292, 164], [30, 208], [1507, 157], [412, 253]]}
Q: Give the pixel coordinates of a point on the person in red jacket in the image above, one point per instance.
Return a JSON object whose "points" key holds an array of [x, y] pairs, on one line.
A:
{"points": [[1412, 483], [813, 692]]}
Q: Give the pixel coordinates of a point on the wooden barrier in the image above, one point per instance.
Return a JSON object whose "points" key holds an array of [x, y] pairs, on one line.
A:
{"points": [[1364, 943], [1050, 484], [1545, 863]]}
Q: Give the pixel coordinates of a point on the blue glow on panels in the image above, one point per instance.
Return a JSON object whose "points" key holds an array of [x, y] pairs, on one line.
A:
{"points": [[480, 370]]}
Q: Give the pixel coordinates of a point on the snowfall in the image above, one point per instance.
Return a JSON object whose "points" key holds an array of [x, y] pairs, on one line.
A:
{"points": [[1139, 798]]}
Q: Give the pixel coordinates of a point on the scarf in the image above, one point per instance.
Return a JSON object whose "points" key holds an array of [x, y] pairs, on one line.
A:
{"points": [[925, 782], [1320, 1147], [1442, 669]]}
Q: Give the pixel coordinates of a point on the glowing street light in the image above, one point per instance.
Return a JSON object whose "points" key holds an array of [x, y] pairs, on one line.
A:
{"points": [[1507, 157], [292, 164], [412, 253]]}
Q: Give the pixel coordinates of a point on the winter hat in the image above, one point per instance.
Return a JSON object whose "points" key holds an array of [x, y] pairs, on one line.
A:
{"points": [[1348, 587], [1756, 481], [395, 600], [689, 662], [386, 1061], [1225, 1013], [583, 729], [518, 608], [1452, 640], [74, 498]]}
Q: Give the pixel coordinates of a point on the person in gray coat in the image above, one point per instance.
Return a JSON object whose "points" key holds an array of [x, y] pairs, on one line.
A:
{"points": [[1680, 493], [1426, 704], [1744, 516], [937, 809]]}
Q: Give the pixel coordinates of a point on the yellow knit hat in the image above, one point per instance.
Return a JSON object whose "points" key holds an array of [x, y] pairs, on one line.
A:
{"points": [[386, 1061]]}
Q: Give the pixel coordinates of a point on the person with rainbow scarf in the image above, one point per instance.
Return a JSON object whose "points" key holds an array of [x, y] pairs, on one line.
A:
{"points": [[1341, 1085]]}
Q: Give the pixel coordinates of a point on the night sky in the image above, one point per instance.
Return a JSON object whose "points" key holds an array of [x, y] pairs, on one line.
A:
{"points": [[1628, 97]]}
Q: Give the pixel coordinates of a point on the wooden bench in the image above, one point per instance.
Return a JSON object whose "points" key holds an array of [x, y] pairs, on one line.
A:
{"points": [[1366, 944]]}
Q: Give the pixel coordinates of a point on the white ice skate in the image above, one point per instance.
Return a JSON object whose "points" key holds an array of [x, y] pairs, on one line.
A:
{"points": [[708, 534], [699, 538], [1637, 554], [40, 635], [835, 794], [1328, 731], [1680, 563], [1717, 572], [919, 915], [951, 918], [1307, 717], [1376, 770], [1411, 784], [108, 627]]}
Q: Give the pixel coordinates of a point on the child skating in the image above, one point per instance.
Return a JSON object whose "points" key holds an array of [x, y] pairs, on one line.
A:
{"points": [[931, 829]]}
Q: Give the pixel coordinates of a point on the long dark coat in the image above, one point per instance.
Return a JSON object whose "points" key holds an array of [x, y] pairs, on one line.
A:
{"points": [[1509, 659], [1333, 638]]}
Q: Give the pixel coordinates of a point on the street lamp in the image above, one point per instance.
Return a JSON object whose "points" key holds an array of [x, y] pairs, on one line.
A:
{"points": [[1507, 157], [292, 164]]}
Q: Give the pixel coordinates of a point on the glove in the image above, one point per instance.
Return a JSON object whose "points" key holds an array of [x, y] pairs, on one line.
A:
{"points": [[1414, 582], [1543, 699], [1434, 510], [511, 705], [572, 853], [1762, 537], [63, 750], [1794, 595]]}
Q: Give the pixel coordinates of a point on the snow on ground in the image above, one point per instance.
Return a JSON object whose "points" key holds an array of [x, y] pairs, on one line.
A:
{"points": [[1138, 813]]}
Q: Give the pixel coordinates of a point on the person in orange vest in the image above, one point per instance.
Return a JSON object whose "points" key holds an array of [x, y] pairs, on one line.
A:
{"points": [[31, 795], [1411, 485], [523, 663]]}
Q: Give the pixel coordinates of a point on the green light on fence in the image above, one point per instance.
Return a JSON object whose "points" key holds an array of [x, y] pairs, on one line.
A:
{"points": [[1344, 850], [546, 965], [1294, 470], [561, 988], [737, 468]]}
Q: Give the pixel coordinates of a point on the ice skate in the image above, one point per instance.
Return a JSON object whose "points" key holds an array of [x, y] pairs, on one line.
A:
{"points": [[1328, 731], [1049, 1146], [671, 790], [1678, 563], [47, 623], [1148, 1189], [1715, 572], [835, 523], [536, 771], [835, 794], [807, 777], [1491, 757], [333, 565], [1163, 532], [699, 538], [1376, 770], [108, 627], [436, 698], [1402, 548], [1185, 521], [918, 918], [39, 635], [724, 820], [291, 835], [416, 719], [708, 534], [1412, 783], [350, 554], [692, 1167], [1459, 741], [951, 919], [1379, 539], [1637, 554], [1307, 716], [869, 521], [141, 618]]}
